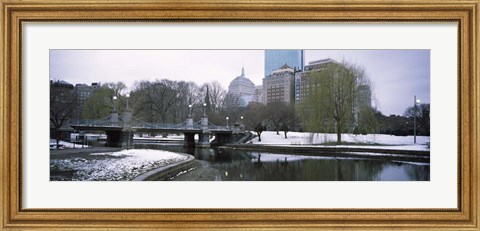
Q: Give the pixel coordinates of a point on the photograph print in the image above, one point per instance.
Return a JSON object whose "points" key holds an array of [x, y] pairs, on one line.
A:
{"points": [[240, 115]]}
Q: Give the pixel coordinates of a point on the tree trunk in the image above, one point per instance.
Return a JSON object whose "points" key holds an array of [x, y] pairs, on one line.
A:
{"points": [[278, 132], [57, 137], [285, 134], [339, 137], [259, 139]]}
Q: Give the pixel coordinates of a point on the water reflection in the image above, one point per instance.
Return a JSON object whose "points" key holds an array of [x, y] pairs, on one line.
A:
{"points": [[237, 165]]}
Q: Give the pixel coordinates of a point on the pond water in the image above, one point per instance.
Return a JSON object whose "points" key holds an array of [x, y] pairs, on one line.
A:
{"points": [[240, 165]]}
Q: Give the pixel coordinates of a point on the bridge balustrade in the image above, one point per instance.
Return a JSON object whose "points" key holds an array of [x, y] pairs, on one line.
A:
{"points": [[119, 129]]}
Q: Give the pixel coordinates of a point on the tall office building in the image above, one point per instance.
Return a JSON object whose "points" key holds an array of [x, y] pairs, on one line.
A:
{"points": [[258, 97], [277, 58], [279, 86], [364, 96], [303, 85]]}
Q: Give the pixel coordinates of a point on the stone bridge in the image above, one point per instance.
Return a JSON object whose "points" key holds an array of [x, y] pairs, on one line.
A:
{"points": [[120, 129]]}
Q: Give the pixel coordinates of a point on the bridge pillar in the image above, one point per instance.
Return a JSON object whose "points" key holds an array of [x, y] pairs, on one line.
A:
{"points": [[127, 139], [204, 123], [204, 136], [204, 139], [189, 139], [114, 118], [189, 122], [127, 134], [127, 116]]}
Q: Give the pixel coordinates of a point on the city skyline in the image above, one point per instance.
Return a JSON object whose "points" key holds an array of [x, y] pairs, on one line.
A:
{"points": [[397, 75]]}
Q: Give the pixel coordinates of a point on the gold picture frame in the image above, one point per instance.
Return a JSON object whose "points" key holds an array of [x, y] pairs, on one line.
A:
{"points": [[17, 12]]}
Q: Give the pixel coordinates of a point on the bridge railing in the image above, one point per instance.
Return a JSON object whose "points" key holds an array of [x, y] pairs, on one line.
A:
{"points": [[139, 124], [218, 128], [105, 122], [136, 123]]}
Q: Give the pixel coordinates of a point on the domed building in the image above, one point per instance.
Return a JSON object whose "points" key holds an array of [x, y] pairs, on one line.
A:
{"points": [[243, 88]]}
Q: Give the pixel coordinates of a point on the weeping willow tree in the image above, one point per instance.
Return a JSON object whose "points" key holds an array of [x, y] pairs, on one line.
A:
{"points": [[330, 98]]}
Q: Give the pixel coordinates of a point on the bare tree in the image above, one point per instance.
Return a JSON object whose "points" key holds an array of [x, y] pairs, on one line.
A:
{"points": [[164, 100], [187, 93], [216, 96], [281, 116], [255, 117], [118, 87], [423, 117], [154, 101], [289, 119], [63, 104], [232, 101]]}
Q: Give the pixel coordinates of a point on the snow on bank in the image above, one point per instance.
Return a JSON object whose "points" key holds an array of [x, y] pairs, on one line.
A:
{"points": [[363, 141], [270, 157], [114, 166], [160, 137], [64, 144]]}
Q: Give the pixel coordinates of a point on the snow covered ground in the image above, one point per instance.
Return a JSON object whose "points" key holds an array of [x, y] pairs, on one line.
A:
{"points": [[64, 144], [169, 136], [114, 166], [362, 141]]}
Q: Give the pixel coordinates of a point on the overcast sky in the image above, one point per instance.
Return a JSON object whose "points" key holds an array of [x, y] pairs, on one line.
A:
{"points": [[396, 75]]}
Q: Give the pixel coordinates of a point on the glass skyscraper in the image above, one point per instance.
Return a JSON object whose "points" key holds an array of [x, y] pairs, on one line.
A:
{"points": [[274, 59]]}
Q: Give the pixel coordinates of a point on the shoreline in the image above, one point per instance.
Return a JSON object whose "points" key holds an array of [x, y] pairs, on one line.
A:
{"points": [[191, 169], [199, 170], [70, 151], [373, 153], [166, 172]]}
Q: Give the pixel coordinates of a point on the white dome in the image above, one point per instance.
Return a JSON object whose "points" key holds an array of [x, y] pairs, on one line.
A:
{"points": [[241, 86]]}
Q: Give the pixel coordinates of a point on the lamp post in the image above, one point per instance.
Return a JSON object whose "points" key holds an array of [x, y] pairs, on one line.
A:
{"points": [[126, 119], [128, 96], [204, 109], [190, 108], [415, 102], [227, 121], [114, 105], [242, 126]]}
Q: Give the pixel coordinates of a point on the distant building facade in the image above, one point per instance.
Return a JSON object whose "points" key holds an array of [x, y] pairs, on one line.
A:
{"points": [[276, 58], [364, 96], [279, 85], [80, 91], [61, 84], [258, 97], [242, 88], [303, 83], [83, 92]]}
